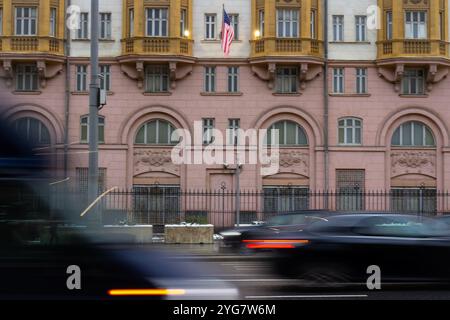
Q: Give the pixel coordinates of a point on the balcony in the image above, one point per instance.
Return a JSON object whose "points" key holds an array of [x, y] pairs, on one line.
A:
{"points": [[34, 45], [157, 46], [286, 47], [412, 48]]}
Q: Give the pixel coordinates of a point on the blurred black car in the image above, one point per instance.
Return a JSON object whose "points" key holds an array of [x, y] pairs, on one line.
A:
{"points": [[339, 249], [233, 238], [31, 268]]}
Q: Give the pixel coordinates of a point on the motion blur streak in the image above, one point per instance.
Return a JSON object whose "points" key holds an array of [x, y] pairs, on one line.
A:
{"points": [[146, 292], [276, 241], [270, 246]]}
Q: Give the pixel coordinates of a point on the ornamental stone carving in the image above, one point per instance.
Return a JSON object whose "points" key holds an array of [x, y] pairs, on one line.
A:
{"points": [[415, 162], [153, 160]]}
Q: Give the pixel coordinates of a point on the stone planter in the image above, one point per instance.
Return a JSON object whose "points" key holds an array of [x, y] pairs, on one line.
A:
{"points": [[189, 234]]}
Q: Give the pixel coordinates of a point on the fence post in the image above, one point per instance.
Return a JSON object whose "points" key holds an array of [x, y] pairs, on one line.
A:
{"points": [[421, 194]]}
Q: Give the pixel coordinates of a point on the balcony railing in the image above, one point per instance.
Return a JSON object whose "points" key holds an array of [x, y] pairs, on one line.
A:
{"points": [[157, 46], [412, 47], [27, 44], [286, 47]]}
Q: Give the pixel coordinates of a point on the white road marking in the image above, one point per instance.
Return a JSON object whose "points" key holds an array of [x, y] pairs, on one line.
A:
{"points": [[328, 296]]}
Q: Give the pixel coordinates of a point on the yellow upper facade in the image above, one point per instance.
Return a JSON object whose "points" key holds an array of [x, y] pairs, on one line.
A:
{"points": [[287, 28], [173, 37], [32, 26], [413, 28]]}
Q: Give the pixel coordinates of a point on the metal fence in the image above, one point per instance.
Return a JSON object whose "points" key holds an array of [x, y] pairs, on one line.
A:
{"points": [[170, 205]]}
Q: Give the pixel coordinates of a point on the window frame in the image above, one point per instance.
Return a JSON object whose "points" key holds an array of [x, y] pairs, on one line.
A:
{"points": [[41, 128], [413, 124], [338, 28], [234, 19], [53, 22], [210, 78], [105, 81], [30, 21], [170, 129], [234, 124], [33, 76], [81, 72], [208, 126], [339, 80], [210, 26], [282, 80], [84, 123], [159, 76], [419, 82], [105, 28], [233, 79], [290, 23], [346, 140], [261, 21], [83, 31], [361, 28], [418, 24], [361, 76], [283, 140], [389, 25], [183, 22], [160, 21]]}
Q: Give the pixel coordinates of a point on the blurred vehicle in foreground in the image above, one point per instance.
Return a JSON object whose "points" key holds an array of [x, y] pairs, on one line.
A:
{"points": [[232, 239], [444, 219], [339, 249], [31, 268]]}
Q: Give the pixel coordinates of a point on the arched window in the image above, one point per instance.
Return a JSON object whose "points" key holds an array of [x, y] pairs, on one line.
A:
{"points": [[33, 130], [290, 134], [156, 132], [350, 131], [414, 134]]}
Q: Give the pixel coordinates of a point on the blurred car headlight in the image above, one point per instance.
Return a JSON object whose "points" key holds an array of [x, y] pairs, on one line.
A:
{"points": [[230, 234]]}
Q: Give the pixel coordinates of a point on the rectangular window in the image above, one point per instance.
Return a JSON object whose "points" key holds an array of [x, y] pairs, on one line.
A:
{"points": [[82, 178], [442, 25], [414, 200], [415, 25], [26, 77], [389, 25], [338, 28], [105, 26], [183, 22], [233, 127], [156, 78], [233, 79], [286, 80], [261, 22], [208, 127], [81, 78], [361, 80], [210, 79], [84, 126], [210, 26], [287, 23], [157, 22], [413, 82], [284, 200], [338, 80], [1, 21], [53, 15], [235, 24], [313, 25], [105, 79], [83, 31], [131, 22], [349, 131], [350, 184], [360, 26], [26, 21]]}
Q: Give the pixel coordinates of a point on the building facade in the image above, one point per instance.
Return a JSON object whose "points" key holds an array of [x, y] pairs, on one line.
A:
{"points": [[356, 107]]}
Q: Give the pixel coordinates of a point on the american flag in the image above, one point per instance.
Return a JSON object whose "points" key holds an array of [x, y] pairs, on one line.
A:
{"points": [[227, 33]]}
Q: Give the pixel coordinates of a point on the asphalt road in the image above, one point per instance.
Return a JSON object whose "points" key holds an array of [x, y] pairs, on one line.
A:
{"points": [[253, 276]]}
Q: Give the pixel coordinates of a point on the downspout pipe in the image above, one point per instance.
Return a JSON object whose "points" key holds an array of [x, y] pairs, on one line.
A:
{"points": [[325, 101], [67, 93]]}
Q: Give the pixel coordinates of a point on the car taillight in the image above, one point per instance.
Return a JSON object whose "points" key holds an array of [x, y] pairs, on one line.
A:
{"points": [[146, 292], [274, 244]]}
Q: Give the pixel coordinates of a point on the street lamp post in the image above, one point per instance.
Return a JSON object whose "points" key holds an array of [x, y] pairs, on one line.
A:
{"points": [[94, 89]]}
